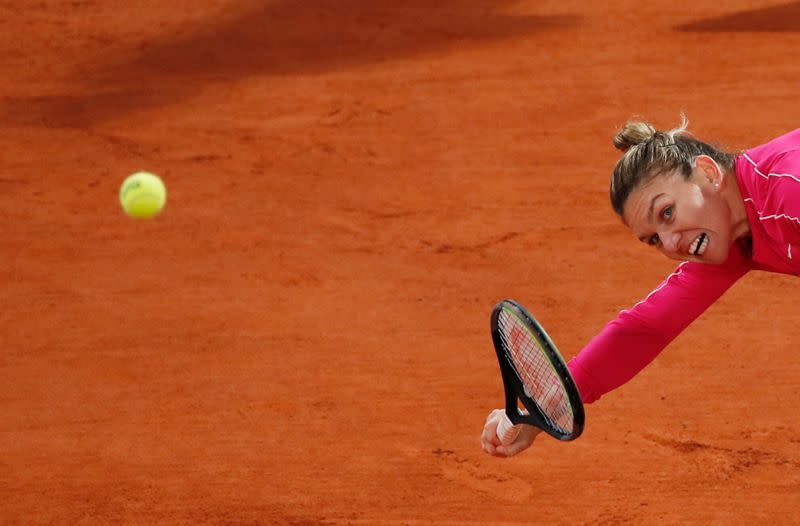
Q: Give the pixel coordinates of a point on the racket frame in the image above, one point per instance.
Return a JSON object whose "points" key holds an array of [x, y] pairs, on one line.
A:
{"points": [[513, 386]]}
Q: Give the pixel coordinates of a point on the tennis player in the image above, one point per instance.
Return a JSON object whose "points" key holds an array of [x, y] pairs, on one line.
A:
{"points": [[721, 214]]}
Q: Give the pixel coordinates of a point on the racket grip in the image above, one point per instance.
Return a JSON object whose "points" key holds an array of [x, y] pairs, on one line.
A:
{"points": [[506, 431]]}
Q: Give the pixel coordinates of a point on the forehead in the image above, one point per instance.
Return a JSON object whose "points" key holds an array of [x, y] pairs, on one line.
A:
{"points": [[642, 197]]}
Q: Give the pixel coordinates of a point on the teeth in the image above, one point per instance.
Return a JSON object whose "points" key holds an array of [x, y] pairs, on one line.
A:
{"points": [[699, 245]]}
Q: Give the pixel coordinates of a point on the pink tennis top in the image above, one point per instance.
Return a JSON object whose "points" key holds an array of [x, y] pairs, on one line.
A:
{"points": [[769, 180]]}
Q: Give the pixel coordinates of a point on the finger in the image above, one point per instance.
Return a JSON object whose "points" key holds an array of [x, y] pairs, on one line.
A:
{"points": [[486, 433], [490, 428], [488, 448], [512, 449], [486, 440], [489, 437], [501, 451]]}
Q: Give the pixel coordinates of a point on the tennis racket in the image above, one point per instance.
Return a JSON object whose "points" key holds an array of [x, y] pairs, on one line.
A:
{"points": [[535, 375]]}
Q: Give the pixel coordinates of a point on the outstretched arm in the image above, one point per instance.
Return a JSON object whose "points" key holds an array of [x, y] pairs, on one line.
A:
{"points": [[631, 341]]}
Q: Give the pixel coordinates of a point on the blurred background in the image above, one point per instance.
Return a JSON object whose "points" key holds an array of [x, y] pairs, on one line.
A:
{"points": [[301, 337]]}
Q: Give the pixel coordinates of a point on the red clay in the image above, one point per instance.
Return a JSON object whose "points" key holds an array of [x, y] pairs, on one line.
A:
{"points": [[301, 337]]}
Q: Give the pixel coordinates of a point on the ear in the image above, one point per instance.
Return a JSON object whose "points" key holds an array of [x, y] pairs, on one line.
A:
{"points": [[710, 172]]}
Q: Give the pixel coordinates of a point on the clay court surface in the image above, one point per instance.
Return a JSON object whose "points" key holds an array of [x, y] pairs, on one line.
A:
{"points": [[301, 338]]}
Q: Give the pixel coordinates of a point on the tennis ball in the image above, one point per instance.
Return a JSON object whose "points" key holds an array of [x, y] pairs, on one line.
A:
{"points": [[142, 195]]}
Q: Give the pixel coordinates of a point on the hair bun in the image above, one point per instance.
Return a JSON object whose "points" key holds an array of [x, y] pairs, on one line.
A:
{"points": [[633, 133]]}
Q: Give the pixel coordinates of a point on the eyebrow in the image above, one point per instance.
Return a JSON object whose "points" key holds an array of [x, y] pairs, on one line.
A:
{"points": [[650, 213], [652, 205]]}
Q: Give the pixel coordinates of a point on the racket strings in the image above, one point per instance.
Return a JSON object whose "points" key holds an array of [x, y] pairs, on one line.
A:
{"points": [[535, 371]]}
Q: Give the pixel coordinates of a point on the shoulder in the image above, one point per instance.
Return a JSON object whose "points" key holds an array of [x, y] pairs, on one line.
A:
{"points": [[761, 159], [768, 171], [786, 142]]}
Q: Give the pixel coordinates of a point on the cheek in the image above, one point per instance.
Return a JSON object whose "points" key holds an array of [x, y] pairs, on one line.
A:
{"points": [[697, 199], [712, 214], [720, 215]]}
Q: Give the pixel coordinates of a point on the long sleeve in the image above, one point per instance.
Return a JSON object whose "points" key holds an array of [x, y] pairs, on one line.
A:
{"points": [[631, 341]]}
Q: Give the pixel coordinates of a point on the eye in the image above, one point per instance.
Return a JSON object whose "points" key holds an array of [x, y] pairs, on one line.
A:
{"points": [[653, 240], [668, 212]]}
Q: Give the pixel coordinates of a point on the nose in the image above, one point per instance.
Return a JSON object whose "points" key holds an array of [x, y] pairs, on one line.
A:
{"points": [[669, 240]]}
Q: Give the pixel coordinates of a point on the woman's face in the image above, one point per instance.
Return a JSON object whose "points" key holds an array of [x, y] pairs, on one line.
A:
{"points": [[687, 220]]}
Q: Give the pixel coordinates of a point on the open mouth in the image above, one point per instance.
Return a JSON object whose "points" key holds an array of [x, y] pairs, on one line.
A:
{"points": [[699, 245]]}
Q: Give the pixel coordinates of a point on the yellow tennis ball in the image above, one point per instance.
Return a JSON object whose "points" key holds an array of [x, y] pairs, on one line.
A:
{"points": [[142, 195]]}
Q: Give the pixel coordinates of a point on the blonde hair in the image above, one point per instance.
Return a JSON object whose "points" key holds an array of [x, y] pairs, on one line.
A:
{"points": [[649, 153]]}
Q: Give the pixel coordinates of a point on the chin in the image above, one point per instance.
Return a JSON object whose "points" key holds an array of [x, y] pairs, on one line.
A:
{"points": [[716, 257]]}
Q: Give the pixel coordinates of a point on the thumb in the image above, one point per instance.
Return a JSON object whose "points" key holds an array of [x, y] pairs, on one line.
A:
{"points": [[490, 428]]}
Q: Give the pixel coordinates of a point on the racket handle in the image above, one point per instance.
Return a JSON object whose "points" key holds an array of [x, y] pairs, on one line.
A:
{"points": [[506, 431]]}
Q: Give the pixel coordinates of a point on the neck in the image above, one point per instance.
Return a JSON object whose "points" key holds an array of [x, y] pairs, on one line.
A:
{"points": [[740, 225]]}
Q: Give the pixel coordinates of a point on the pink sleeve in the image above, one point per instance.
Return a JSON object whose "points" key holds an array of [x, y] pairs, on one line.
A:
{"points": [[631, 341]]}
